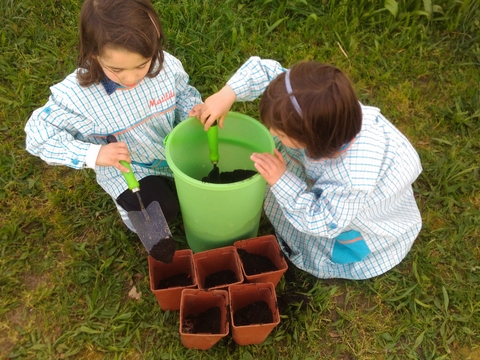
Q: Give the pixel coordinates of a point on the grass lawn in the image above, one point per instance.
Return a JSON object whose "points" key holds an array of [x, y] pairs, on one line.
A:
{"points": [[68, 263]]}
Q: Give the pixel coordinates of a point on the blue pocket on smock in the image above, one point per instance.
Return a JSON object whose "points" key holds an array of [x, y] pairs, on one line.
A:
{"points": [[156, 164], [349, 247]]}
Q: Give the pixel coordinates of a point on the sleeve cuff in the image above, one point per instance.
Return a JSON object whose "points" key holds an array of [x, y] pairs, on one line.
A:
{"points": [[236, 87], [92, 154]]}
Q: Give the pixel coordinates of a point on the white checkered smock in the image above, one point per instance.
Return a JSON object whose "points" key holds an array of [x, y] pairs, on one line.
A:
{"points": [[77, 120], [353, 216]]}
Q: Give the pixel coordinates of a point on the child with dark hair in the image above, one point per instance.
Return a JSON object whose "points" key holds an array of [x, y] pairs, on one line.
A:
{"points": [[126, 85], [340, 181]]}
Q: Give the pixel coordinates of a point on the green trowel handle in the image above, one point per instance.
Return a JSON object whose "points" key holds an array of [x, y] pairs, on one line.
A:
{"points": [[132, 182], [212, 134]]}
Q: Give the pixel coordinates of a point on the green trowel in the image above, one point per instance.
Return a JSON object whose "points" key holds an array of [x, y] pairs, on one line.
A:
{"points": [[212, 135], [150, 223]]}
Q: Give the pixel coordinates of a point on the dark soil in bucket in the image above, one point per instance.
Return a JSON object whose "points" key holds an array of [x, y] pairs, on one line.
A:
{"points": [[220, 278], [229, 177], [255, 313], [182, 279], [207, 322], [255, 264]]}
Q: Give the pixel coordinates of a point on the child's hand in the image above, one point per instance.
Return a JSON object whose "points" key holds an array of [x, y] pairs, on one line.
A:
{"points": [[112, 154], [197, 110], [271, 167], [216, 107]]}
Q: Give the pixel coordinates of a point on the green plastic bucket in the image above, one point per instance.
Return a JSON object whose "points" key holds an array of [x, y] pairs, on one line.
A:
{"points": [[216, 215]]}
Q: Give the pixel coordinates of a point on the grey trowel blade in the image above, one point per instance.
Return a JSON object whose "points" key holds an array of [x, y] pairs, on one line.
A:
{"points": [[154, 232]]}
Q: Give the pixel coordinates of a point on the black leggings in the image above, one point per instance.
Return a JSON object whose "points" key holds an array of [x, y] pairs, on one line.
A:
{"points": [[152, 188]]}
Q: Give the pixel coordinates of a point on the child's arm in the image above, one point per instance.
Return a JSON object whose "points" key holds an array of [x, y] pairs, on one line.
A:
{"points": [[324, 210], [248, 83], [186, 95], [50, 136], [308, 212]]}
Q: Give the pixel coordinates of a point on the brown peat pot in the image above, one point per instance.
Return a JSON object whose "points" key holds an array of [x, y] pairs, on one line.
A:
{"points": [[218, 268], [203, 318], [253, 312], [262, 259], [167, 281]]}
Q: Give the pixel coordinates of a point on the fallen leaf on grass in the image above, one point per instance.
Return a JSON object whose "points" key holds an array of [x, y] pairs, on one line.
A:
{"points": [[423, 143], [334, 335], [134, 294]]}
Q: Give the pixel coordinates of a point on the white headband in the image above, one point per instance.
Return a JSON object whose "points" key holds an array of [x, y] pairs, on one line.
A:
{"points": [[288, 85], [155, 25]]}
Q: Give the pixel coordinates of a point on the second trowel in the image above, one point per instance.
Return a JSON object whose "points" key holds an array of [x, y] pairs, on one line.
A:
{"points": [[150, 223], [212, 136]]}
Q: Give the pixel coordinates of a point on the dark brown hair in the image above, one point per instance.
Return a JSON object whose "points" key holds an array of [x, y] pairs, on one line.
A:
{"points": [[131, 25], [331, 115]]}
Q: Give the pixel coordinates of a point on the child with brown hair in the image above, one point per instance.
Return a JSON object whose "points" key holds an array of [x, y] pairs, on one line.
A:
{"points": [[340, 181], [126, 85]]}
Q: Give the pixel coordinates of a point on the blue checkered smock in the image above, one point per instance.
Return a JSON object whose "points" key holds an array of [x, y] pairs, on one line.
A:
{"points": [[353, 216], [75, 118]]}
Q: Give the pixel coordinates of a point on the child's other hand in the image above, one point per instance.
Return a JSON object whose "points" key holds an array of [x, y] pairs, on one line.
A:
{"points": [[217, 107], [112, 154], [271, 167], [197, 110]]}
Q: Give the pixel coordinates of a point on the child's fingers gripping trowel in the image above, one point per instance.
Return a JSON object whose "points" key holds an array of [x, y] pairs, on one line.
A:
{"points": [[150, 223], [212, 136]]}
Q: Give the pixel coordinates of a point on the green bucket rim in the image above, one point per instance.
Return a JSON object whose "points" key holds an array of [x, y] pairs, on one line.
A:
{"points": [[239, 184]]}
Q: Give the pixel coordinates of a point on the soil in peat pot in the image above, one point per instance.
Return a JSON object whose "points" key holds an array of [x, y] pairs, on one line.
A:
{"points": [[220, 278], [229, 177], [182, 279], [207, 322], [255, 264], [257, 312]]}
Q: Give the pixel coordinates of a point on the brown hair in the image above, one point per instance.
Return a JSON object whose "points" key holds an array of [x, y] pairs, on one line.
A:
{"points": [[131, 25], [331, 115]]}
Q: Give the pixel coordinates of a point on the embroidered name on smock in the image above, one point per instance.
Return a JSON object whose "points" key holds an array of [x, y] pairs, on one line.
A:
{"points": [[155, 102]]}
